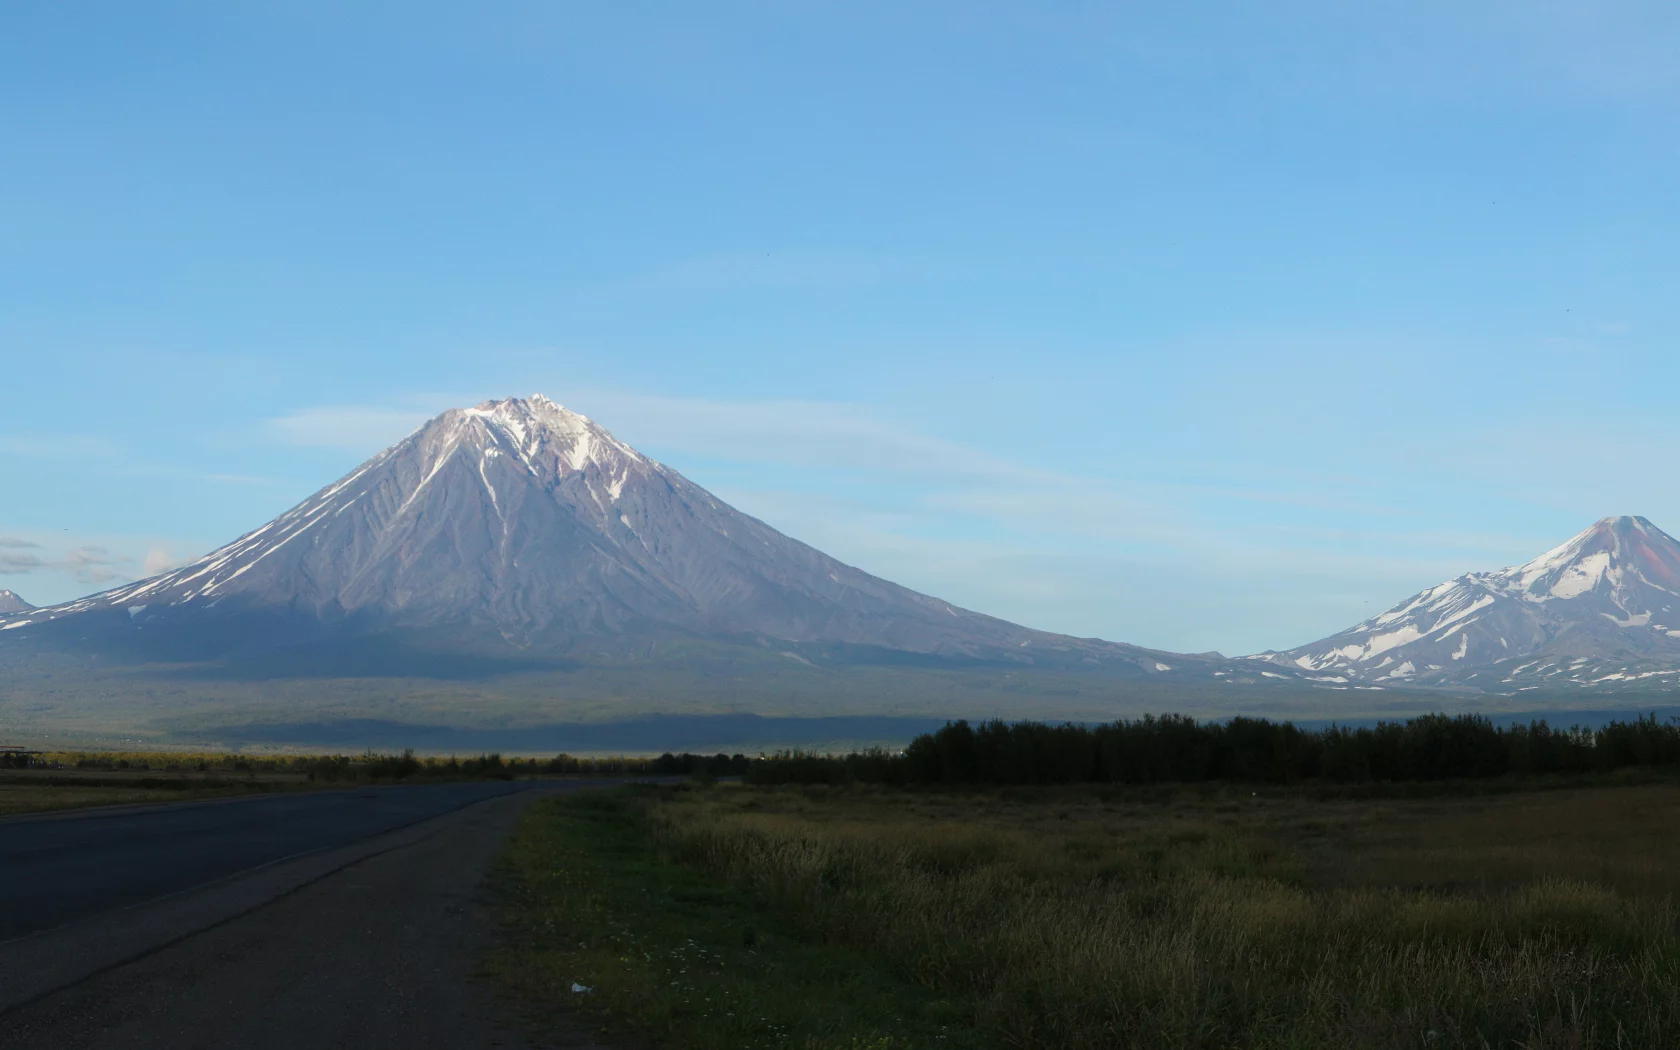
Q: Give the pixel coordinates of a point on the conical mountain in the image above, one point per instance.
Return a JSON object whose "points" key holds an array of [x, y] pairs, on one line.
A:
{"points": [[1603, 608], [519, 527], [11, 604]]}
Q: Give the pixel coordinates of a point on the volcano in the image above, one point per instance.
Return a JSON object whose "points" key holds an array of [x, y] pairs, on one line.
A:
{"points": [[1602, 609], [519, 532]]}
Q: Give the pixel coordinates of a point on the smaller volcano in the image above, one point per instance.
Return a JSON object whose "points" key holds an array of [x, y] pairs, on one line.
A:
{"points": [[11, 604], [1603, 608]]}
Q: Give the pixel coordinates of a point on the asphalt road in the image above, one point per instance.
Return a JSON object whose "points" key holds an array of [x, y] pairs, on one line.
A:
{"points": [[379, 952], [60, 870]]}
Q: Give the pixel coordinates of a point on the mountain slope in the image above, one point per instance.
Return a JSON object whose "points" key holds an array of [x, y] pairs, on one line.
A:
{"points": [[11, 604], [518, 530], [1601, 609]]}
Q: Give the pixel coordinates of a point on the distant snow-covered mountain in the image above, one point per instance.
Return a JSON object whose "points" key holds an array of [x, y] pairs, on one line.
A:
{"points": [[1600, 610], [11, 604]]}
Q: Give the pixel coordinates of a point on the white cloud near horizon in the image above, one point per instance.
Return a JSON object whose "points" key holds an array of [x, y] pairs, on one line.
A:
{"points": [[86, 563], [19, 564], [48, 569], [159, 560], [96, 565]]}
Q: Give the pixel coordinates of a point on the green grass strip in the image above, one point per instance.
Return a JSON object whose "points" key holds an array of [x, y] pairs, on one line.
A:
{"points": [[673, 956]]}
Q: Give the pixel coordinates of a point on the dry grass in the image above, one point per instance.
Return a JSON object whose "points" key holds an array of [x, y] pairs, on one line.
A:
{"points": [[1620, 838], [69, 780], [1216, 919]]}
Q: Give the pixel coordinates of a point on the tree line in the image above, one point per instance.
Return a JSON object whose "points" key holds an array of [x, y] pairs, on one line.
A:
{"points": [[1177, 748], [408, 766], [371, 765]]}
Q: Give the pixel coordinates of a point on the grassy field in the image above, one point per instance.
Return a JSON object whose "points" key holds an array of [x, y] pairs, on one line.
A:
{"points": [[1089, 917], [670, 953], [41, 797], [76, 779]]}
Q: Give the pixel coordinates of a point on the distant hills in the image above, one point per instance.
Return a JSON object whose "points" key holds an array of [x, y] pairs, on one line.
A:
{"points": [[1600, 612]]}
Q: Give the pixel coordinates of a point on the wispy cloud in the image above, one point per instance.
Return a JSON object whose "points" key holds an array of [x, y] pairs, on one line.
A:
{"points": [[821, 434], [344, 426], [238, 479], [773, 271], [190, 474], [1216, 591], [82, 447], [19, 564], [954, 479], [354, 427], [96, 564], [56, 446], [86, 563]]}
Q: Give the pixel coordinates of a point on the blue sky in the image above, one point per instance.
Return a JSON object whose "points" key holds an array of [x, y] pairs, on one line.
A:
{"points": [[1199, 326]]}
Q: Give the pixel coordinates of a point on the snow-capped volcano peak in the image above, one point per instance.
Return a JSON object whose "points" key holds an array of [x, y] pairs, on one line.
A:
{"points": [[11, 604], [527, 428], [492, 477], [527, 415], [1609, 595], [1612, 556]]}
